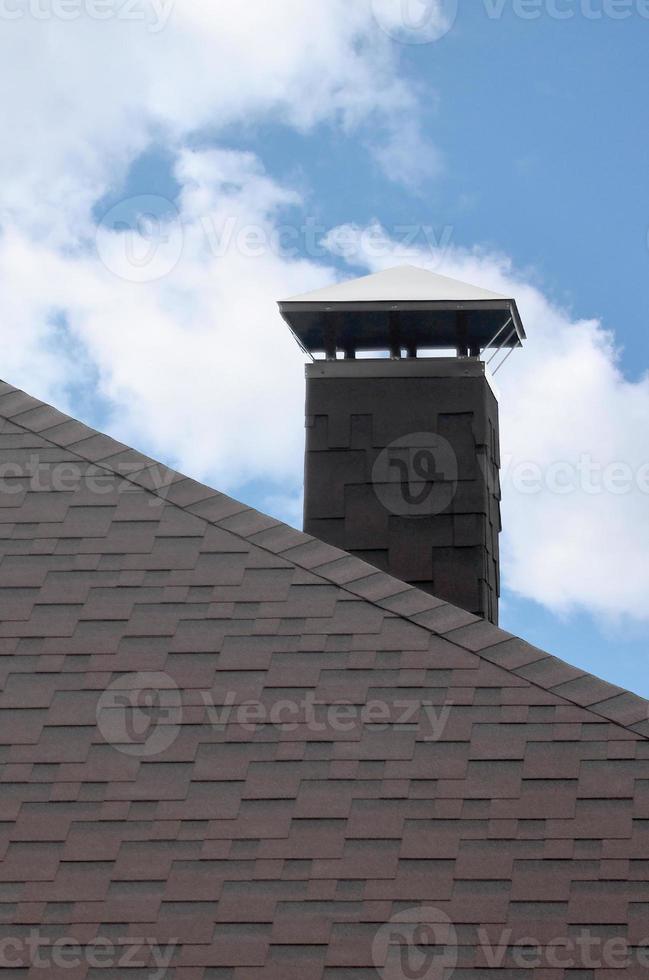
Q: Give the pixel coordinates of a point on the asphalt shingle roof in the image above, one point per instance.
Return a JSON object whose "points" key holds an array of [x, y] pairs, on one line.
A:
{"points": [[471, 774]]}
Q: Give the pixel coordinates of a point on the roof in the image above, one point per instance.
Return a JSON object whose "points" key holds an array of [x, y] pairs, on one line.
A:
{"points": [[473, 777], [402, 307], [404, 282]]}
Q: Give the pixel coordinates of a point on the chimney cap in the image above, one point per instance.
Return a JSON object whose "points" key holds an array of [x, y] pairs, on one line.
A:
{"points": [[403, 307]]}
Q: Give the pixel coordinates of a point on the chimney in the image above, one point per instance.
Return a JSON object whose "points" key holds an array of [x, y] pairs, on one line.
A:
{"points": [[402, 458]]}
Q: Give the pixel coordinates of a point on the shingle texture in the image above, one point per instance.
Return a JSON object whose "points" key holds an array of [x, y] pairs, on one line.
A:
{"points": [[472, 781], [403, 471]]}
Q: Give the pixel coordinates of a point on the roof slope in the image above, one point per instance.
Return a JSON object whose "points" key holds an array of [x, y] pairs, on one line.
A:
{"points": [[489, 781]]}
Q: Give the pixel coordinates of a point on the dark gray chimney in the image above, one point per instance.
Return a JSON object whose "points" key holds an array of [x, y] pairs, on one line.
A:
{"points": [[402, 455]]}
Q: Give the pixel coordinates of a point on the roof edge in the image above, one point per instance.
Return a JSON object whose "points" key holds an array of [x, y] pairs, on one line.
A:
{"points": [[496, 646]]}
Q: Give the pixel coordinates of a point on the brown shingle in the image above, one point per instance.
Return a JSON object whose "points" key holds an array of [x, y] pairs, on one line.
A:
{"points": [[277, 847]]}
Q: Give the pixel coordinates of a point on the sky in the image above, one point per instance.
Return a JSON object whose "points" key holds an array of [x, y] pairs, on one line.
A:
{"points": [[173, 168]]}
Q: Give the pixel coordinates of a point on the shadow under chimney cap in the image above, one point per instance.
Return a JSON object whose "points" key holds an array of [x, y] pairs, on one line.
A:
{"points": [[404, 307]]}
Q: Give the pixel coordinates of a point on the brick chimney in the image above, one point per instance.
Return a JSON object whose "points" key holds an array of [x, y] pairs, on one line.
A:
{"points": [[402, 456]]}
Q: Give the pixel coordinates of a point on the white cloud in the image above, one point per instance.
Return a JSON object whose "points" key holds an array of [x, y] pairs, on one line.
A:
{"points": [[84, 97], [197, 364], [408, 157]]}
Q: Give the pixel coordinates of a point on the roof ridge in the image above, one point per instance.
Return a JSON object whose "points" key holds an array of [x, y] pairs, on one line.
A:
{"points": [[354, 576]]}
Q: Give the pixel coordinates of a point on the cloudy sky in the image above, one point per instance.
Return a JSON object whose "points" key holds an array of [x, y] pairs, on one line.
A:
{"points": [[172, 168]]}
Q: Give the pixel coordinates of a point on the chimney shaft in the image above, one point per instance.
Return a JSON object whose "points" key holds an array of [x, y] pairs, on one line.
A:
{"points": [[401, 469]]}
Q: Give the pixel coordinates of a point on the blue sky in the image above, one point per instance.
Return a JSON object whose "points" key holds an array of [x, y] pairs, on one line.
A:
{"points": [[542, 126], [521, 144]]}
